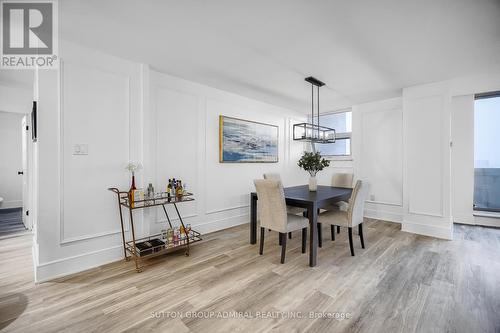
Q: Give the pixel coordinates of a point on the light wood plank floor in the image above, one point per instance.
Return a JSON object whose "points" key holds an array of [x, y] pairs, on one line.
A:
{"points": [[400, 283]]}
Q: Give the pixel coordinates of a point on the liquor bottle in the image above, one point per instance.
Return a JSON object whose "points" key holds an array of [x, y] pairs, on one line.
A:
{"points": [[151, 191], [174, 185], [179, 190], [169, 189]]}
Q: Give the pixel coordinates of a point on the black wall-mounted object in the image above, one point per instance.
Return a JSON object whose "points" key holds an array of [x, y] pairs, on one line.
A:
{"points": [[33, 122]]}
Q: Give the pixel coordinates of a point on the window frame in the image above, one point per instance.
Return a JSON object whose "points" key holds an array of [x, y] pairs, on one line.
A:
{"points": [[485, 95], [344, 135]]}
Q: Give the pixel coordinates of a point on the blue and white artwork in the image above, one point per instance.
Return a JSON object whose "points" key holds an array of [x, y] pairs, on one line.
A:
{"points": [[243, 141]]}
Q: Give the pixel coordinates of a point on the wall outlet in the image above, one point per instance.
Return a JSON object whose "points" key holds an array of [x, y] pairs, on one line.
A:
{"points": [[372, 197], [80, 149]]}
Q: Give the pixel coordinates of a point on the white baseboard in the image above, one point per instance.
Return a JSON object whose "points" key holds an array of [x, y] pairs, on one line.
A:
{"points": [[61, 267], [65, 266], [478, 219], [224, 223], [464, 220], [11, 204], [443, 232], [384, 215]]}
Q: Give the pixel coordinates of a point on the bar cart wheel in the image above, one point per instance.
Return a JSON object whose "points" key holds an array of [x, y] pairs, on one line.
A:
{"points": [[127, 259]]}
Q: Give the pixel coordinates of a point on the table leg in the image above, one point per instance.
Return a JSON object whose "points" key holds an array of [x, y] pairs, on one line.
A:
{"points": [[313, 239], [253, 219]]}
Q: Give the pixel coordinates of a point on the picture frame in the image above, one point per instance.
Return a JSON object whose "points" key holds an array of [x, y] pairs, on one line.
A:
{"points": [[246, 141]]}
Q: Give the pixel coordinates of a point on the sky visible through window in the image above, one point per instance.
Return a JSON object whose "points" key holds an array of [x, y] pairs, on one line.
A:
{"points": [[342, 123], [487, 133]]}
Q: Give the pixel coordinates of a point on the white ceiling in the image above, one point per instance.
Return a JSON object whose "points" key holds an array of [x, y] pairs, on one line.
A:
{"points": [[363, 50]]}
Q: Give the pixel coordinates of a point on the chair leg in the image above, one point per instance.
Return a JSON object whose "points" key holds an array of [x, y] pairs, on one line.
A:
{"points": [[360, 231], [338, 229], [283, 247], [289, 235], [332, 231], [350, 241], [262, 233], [280, 240], [304, 239], [320, 236]]}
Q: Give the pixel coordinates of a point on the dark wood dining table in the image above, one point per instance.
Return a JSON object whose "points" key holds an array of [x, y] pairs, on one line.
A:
{"points": [[311, 201]]}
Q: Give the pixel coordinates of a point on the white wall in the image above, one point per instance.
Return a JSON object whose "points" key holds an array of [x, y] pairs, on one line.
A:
{"points": [[462, 162], [378, 156], [185, 118], [15, 98], [124, 111], [426, 160], [10, 159]]}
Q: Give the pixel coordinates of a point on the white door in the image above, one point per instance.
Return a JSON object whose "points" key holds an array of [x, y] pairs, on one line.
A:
{"points": [[24, 171]]}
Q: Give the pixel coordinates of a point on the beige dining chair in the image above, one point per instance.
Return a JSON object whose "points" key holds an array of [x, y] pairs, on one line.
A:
{"points": [[350, 218], [273, 214], [289, 209], [343, 180]]}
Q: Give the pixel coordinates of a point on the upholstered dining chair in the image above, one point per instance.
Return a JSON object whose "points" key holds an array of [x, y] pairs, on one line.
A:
{"points": [[338, 180], [350, 218], [289, 209], [273, 214]]}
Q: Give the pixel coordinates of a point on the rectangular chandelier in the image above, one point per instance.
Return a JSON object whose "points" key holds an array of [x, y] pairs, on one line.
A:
{"points": [[311, 132]]}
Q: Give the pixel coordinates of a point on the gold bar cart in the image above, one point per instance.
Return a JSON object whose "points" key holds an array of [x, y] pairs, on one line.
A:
{"points": [[130, 249]]}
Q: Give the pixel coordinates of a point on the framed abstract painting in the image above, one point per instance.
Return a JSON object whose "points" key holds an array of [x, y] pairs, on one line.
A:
{"points": [[244, 141]]}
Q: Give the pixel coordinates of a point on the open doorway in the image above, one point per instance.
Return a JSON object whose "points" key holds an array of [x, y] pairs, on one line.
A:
{"points": [[13, 173], [16, 99]]}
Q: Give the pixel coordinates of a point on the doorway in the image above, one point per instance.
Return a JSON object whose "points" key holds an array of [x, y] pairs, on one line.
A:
{"points": [[13, 174]]}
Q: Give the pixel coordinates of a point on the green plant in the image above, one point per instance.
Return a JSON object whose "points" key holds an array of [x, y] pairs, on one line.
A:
{"points": [[312, 163]]}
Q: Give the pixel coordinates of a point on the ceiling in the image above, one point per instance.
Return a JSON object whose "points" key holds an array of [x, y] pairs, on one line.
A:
{"points": [[263, 49]]}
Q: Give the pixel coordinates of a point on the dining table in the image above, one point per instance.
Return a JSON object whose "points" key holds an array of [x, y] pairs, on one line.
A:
{"points": [[312, 202]]}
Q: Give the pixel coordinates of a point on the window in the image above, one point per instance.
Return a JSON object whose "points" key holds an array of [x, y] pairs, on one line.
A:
{"points": [[487, 152], [342, 123]]}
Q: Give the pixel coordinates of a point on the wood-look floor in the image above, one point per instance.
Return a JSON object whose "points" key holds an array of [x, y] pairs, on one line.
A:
{"points": [[11, 222], [400, 283]]}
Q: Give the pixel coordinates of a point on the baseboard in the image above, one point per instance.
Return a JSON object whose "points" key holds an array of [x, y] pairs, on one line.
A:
{"points": [[65, 266], [428, 230], [384, 215], [478, 219], [11, 204], [224, 223], [464, 220]]}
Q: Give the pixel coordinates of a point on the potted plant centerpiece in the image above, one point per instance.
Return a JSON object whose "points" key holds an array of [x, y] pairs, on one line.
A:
{"points": [[312, 163]]}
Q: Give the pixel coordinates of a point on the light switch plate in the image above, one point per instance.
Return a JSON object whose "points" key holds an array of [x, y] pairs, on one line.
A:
{"points": [[80, 149]]}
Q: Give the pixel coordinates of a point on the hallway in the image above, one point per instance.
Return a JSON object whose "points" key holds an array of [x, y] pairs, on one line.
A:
{"points": [[11, 222]]}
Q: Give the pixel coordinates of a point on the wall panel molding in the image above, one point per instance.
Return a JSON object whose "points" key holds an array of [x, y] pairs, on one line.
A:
{"points": [[64, 66]]}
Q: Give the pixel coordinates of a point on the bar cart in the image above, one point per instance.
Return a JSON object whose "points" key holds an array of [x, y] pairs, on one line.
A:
{"points": [[153, 245]]}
